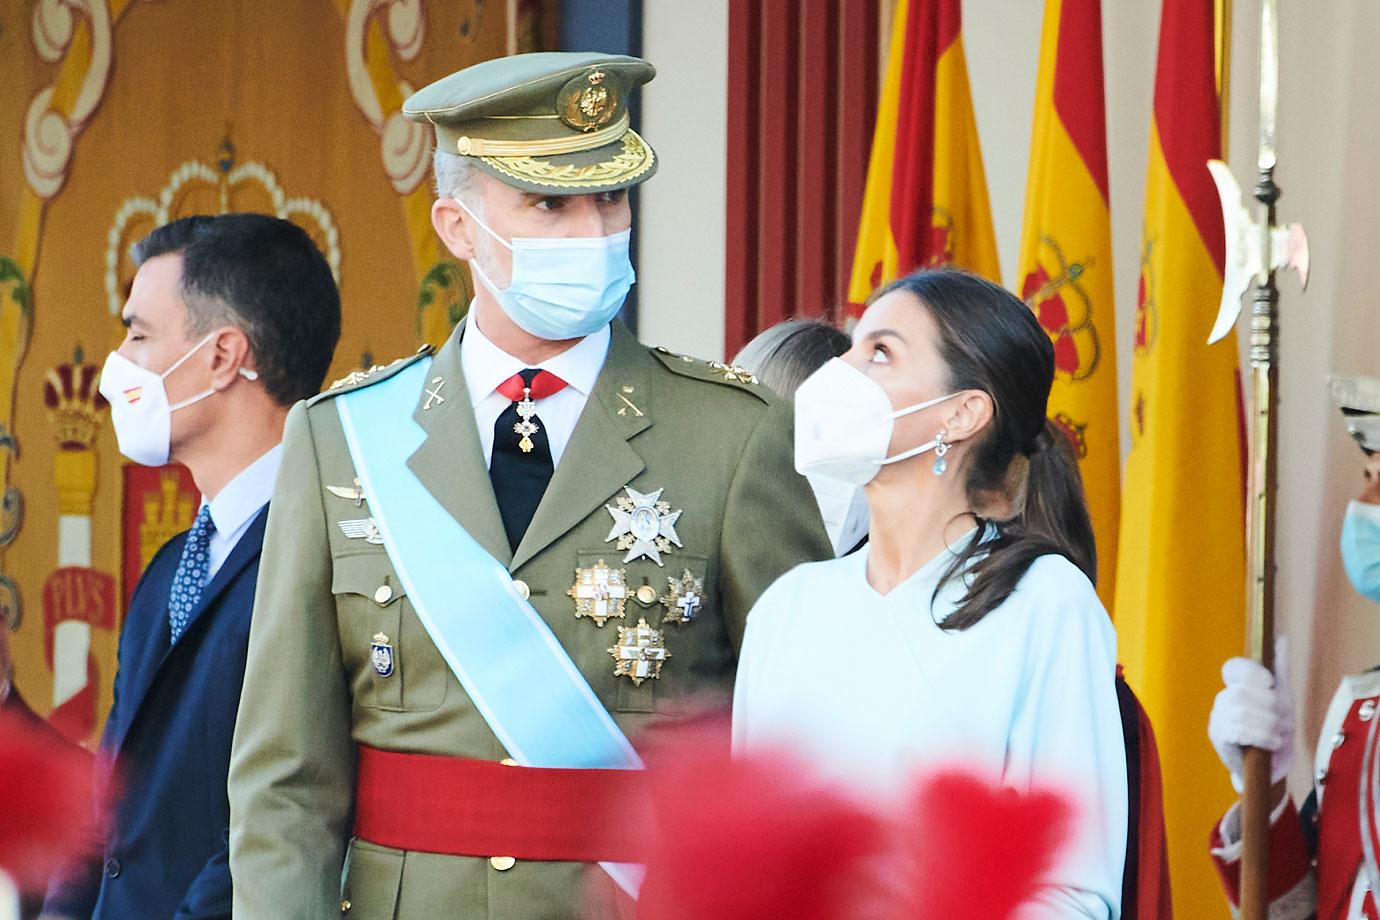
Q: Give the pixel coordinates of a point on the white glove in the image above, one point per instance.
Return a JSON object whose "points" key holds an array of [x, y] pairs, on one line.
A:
{"points": [[1254, 709]]}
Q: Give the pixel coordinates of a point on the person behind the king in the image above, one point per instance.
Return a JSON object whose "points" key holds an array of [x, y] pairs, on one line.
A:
{"points": [[527, 550], [230, 320]]}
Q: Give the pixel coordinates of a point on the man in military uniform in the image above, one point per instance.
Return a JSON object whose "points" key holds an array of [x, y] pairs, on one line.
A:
{"points": [[517, 553]]}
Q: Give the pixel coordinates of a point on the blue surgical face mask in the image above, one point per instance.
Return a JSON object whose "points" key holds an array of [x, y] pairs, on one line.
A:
{"points": [[1361, 548], [562, 287]]}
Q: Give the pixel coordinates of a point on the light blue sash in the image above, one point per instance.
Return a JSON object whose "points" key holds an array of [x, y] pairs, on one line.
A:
{"points": [[518, 674]]}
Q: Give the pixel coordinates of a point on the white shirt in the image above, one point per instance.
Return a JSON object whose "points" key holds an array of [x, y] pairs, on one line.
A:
{"points": [[486, 366], [234, 507], [870, 691]]}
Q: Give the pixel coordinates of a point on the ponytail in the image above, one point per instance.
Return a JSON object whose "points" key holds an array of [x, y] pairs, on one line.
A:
{"points": [[991, 341]]}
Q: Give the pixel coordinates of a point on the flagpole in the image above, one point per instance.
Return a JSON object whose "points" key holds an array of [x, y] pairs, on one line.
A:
{"points": [[1222, 19], [1263, 482]]}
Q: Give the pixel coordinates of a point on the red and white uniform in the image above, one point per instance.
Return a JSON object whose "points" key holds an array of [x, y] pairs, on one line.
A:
{"points": [[1326, 880]]}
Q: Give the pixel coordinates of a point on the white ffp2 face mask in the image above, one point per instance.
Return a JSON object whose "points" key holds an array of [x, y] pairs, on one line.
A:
{"points": [[843, 507], [139, 407], [562, 287], [843, 425]]}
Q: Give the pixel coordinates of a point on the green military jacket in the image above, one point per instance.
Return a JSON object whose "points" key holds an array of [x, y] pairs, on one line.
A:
{"points": [[717, 444]]}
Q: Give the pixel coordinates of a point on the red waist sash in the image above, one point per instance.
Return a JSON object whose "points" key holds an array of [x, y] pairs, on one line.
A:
{"points": [[467, 807]]}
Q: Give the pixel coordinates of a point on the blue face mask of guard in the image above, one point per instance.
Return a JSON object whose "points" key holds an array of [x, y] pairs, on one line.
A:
{"points": [[1361, 548], [562, 287]]}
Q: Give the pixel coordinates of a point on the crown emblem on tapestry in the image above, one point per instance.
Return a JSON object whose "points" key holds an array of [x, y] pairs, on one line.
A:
{"points": [[73, 403], [221, 187]]}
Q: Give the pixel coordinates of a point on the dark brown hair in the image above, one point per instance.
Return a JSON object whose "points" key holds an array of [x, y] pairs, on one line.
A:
{"points": [[265, 276], [992, 342]]}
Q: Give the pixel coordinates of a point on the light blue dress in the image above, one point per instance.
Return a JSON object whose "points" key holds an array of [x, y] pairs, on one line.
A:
{"points": [[872, 693]]}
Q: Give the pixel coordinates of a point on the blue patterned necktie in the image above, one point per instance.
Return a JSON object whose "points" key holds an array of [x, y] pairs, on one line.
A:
{"points": [[191, 572]]}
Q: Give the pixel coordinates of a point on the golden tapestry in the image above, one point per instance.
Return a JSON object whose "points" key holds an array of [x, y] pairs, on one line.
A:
{"points": [[120, 115]]}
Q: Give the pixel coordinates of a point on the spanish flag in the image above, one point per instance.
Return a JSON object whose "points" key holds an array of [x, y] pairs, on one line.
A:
{"points": [[926, 197], [1180, 598], [1065, 268]]}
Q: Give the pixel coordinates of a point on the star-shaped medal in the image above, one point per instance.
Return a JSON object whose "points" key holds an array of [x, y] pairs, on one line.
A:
{"points": [[643, 525]]}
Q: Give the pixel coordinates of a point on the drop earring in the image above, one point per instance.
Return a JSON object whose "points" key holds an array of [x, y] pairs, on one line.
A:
{"points": [[940, 449]]}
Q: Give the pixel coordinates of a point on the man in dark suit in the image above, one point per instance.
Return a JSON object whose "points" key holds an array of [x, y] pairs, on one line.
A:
{"points": [[231, 320]]}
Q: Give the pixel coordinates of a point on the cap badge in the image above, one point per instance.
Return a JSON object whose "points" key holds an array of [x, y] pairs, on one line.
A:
{"points": [[589, 102]]}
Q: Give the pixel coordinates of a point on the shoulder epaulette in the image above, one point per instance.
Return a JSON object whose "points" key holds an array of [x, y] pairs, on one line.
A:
{"points": [[713, 371], [379, 372]]}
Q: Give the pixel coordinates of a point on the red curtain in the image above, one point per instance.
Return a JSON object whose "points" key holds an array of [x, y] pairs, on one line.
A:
{"points": [[802, 99]]}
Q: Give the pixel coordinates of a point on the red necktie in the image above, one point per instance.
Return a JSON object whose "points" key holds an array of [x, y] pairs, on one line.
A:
{"points": [[543, 384]]}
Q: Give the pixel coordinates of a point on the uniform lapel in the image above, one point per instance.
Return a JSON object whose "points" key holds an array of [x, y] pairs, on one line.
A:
{"points": [[598, 461], [450, 462]]}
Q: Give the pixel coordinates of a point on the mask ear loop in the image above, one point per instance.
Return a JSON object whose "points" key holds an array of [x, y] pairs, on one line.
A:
{"points": [[480, 221], [244, 372], [928, 445]]}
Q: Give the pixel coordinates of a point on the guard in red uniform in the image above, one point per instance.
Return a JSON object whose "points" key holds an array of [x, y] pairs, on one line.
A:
{"points": [[1316, 852]]}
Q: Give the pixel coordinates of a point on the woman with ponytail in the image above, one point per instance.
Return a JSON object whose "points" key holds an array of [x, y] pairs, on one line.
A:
{"points": [[967, 631]]}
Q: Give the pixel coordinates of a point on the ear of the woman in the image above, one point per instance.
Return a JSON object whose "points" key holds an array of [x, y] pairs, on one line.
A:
{"points": [[972, 413]]}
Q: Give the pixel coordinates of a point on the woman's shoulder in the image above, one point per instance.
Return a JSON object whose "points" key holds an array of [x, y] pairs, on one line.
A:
{"points": [[1053, 587]]}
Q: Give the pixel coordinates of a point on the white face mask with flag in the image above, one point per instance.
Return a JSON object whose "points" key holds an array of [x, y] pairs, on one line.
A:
{"points": [[139, 407]]}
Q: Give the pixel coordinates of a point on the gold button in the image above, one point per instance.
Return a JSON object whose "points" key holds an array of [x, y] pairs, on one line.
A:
{"points": [[383, 595], [345, 906], [502, 863], [646, 595], [508, 762], [523, 591]]}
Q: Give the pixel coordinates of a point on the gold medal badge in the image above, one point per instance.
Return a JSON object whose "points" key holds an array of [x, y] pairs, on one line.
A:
{"points": [[640, 653], [600, 593], [683, 599]]}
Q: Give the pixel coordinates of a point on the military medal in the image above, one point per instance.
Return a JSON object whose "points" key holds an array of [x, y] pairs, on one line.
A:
{"points": [[643, 525], [355, 494], [683, 599], [381, 655], [366, 529], [640, 652], [600, 593], [526, 409]]}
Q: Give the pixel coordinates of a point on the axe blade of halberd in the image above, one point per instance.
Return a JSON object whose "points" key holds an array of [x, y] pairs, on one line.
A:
{"points": [[1243, 256], [1245, 260]]}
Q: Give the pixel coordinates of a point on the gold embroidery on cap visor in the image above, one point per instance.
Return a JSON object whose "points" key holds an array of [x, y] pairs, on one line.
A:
{"points": [[635, 159]]}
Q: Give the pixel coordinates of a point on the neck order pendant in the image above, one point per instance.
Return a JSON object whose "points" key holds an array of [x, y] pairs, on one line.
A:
{"points": [[526, 409]]}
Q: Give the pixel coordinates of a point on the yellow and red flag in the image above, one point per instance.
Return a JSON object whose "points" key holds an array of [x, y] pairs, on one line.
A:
{"points": [[1180, 599], [1065, 268], [926, 197]]}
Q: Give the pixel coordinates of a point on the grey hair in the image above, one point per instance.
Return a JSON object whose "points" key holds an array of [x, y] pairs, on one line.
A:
{"points": [[454, 176], [784, 355]]}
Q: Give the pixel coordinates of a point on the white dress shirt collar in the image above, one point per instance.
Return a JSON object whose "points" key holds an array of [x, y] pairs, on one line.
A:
{"points": [[243, 496], [235, 505], [486, 365]]}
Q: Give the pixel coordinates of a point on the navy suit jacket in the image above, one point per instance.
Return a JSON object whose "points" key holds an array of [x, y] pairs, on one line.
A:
{"points": [[168, 735]]}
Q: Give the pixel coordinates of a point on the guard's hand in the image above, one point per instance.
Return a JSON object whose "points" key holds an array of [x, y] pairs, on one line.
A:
{"points": [[1254, 709], [1371, 493]]}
